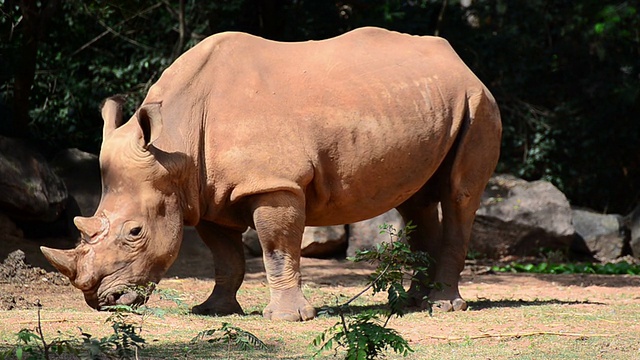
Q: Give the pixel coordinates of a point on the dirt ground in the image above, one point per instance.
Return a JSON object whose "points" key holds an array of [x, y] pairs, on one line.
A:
{"points": [[25, 280]]}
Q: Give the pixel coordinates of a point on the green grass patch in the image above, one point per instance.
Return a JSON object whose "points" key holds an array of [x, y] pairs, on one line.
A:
{"points": [[620, 268]]}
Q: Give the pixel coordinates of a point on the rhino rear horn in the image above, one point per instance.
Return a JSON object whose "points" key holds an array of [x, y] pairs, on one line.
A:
{"points": [[63, 260], [93, 227]]}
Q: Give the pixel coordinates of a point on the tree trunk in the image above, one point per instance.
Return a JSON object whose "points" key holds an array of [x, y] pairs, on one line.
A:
{"points": [[34, 25]]}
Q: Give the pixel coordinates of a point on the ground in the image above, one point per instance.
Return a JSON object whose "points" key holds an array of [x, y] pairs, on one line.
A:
{"points": [[510, 316]]}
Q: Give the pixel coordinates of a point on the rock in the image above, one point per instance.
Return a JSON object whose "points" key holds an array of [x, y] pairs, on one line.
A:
{"points": [[317, 242], [632, 222], [29, 189], [9, 228], [366, 234], [251, 243], [324, 241], [604, 235], [519, 218], [81, 174]]}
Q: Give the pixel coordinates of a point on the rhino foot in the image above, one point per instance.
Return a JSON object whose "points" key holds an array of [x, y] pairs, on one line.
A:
{"points": [[458, 304], [217, 308], [439, 300], [289, 305]]}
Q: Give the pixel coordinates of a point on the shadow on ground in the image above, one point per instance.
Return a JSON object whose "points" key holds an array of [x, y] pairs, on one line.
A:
{"points": [[478, 305]]}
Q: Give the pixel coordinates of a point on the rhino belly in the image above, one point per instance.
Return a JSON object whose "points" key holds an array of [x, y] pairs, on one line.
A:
{"points": [[352, 189]]}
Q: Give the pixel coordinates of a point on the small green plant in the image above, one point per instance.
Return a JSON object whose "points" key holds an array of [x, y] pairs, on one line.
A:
{"points": [[32, 345], [124, 343], [233, 337], [365, 335]]}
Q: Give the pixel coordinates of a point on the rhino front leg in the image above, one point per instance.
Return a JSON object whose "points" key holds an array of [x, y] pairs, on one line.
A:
{"points": [[279, 220], [228, 257]]}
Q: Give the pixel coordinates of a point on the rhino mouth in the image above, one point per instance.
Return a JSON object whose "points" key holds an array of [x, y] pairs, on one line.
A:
{"points": [[122, 296]]}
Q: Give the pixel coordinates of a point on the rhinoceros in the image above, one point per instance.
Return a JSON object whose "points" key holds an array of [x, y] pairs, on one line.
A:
{"points": [[245, 132]]}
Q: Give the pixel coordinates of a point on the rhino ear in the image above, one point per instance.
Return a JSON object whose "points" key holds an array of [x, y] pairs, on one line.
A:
{"points": [[150, 120], [112, 114]]}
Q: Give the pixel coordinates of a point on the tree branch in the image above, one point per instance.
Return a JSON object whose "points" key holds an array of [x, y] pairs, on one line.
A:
{"points": [[92, 41]]}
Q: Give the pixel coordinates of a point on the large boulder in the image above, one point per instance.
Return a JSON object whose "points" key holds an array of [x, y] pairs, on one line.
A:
{"points": [[632, 222], [519, 218], [81, 174], [317, 241], [603, 235], [29, 189], [8, 228], [251, 243], [365, 234], [324, 241]]}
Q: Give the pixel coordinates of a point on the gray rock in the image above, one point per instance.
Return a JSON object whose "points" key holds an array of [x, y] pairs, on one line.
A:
{"points": [[8, 228], [251, 242], [29, 189], [632, 222], [517, 217], [318, 242], [324, 241], [81, 174], [604, 235], [366, 234]]}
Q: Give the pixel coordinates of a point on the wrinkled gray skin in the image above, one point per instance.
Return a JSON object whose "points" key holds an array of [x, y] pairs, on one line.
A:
{"points": [[241, 131]]}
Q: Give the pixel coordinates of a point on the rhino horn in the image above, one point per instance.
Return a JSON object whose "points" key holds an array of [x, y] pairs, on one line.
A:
{"points": [[63, 260], [95, 228]]}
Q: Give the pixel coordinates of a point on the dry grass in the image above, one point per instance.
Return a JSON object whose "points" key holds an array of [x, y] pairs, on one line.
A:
{"points": [[511, 317]]}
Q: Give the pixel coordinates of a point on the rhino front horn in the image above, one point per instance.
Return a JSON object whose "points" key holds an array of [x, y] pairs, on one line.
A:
{"points": [[63, 260]]}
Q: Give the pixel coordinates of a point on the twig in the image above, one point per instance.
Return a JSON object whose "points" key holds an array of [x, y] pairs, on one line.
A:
{"points": [[45, 347], [516, 335], [440, 18], [90, 42], [125, 38], [54, 321], [368, 286]]}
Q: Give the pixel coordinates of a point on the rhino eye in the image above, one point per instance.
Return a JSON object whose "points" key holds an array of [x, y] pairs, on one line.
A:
{"points": [[135, 231]]}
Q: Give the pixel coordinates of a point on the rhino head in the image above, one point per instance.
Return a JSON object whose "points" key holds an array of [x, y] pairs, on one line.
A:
{"points": [[136, 232]]}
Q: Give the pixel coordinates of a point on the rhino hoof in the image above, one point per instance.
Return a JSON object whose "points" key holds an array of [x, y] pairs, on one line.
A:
{"points": [[304, 314], [450, 305], [204, 309]]}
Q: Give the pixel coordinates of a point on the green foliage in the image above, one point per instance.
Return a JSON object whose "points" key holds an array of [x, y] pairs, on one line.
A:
{"points": [[565, 77], [124, 343], [619, 268], [232, 336], [125, 340], [364, 335], [395, 263]]}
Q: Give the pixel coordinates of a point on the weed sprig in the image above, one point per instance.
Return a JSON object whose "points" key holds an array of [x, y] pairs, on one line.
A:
{"points": [[365, 335]]}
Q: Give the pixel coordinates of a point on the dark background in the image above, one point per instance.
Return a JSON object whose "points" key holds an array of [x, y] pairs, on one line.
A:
{"points": [[566, 74]]}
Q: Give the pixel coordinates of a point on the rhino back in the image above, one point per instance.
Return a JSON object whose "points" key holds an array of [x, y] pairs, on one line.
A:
{"points": [[358, 123]]}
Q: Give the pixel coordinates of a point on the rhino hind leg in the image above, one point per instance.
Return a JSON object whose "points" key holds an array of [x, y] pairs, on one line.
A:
{"points": [[443, 230], [229, 263], [279, 220], [457, 186], [427, 237]]}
